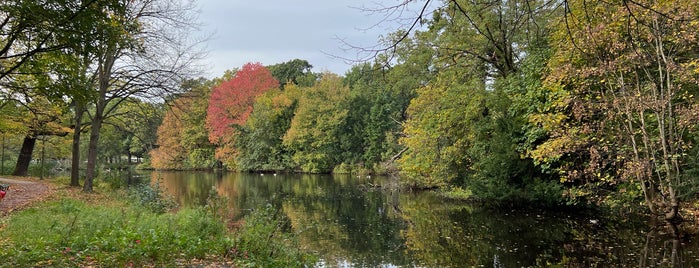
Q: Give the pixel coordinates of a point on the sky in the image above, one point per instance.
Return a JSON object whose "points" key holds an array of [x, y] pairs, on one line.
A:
{"points": [[278, 31]]}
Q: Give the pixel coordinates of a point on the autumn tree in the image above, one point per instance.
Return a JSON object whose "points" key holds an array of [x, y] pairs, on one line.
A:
{"points": [[629, 73], [170, 154], [314, 134], [230, 105], [260, 139], [144, 52], [182, 137], [462, 129], [10, 126]]}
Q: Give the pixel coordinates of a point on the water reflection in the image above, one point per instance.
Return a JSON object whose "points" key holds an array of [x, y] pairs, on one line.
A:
{"points": [[367, 223]]}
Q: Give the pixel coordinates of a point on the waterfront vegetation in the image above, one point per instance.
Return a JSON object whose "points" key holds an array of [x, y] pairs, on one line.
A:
{"points": [[506, 102], [550, 104], [116, 229]]}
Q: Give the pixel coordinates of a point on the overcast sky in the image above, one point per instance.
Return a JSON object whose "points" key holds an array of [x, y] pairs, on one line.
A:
{"points": [[277, 31]]}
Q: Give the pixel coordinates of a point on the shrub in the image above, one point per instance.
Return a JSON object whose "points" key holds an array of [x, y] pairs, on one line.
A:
{"points": [[152, 197]]}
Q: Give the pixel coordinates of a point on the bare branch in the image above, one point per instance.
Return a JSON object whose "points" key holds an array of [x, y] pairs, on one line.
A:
{"points": [[391, 14]]}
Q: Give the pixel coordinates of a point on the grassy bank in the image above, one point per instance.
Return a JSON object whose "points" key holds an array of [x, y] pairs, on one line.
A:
{"points": [[119, 230]]}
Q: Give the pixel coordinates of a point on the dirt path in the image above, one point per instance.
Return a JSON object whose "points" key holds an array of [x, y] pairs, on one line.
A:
{"points": [[23, 192]]}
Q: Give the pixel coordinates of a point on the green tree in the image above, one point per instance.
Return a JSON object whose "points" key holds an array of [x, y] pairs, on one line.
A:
{"points": [[260, 139], [629, 71], [296, 71], [315, 129], [377, 108], [31, 28], [462, 129], [36, 90], [128, 131]]}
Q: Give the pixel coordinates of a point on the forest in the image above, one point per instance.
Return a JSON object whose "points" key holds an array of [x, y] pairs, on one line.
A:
{"points": [[551, 103]]}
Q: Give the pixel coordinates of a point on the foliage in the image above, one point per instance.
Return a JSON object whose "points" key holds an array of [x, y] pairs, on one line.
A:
{"points": [[376, 109], [468, 125], [437, 134], [231, 104], [152, 197], [315, 129], [629, 71], [296, 72], [80, 234], [260, 140], [182, 137], [137, 121]]}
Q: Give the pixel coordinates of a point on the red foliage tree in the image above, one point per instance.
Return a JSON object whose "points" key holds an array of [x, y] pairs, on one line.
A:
{"points": [[231, 104]]}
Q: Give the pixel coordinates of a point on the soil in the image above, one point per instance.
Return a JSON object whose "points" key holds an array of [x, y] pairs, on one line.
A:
{"points": [[22, 193]]}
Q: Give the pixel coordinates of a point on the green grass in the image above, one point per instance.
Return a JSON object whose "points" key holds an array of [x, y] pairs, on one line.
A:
{"points": [[78, 231], [70, 232]]}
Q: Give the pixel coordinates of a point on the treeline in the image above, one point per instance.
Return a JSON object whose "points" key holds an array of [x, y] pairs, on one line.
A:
{"points": [[551, 102], [546, 101], [314, 122]]}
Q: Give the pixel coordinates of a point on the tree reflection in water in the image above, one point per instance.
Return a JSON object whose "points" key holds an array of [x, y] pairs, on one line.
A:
{"points": [[367, 222]]}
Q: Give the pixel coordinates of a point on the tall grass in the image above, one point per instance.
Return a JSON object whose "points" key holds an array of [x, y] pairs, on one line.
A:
{"points": [[112, 232], [70, 232]]}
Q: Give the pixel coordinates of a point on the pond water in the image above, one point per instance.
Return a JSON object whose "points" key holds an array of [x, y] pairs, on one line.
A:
{"points": [[368, 222]]}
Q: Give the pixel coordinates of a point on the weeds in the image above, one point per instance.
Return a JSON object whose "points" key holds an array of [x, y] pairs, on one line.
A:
{"points": [[152, 197], [78, 234], [115, 232]]}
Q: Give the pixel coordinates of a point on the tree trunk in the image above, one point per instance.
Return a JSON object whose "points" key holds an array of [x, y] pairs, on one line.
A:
{"points": [[25, 156], [2, 162], [92, 151], [75, 165], [673, 212], [104, 74]]}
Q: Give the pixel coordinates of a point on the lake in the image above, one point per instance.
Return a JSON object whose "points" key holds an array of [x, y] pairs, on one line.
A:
{"points": [[369, 222]]}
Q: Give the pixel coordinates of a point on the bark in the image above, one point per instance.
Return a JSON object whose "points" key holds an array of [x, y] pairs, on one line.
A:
{"points": [[25, 156], [92, 152], [75, 165], [104, 76], [2, 160], [673, 212]]}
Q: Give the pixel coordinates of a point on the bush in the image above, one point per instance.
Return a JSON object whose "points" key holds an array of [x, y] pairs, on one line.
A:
{"points": [[152, 197]]}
